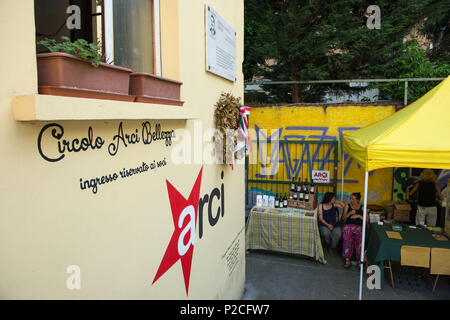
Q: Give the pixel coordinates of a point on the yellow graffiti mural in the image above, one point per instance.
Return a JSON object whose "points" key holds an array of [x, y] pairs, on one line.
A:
{"points": [[281, 161]]}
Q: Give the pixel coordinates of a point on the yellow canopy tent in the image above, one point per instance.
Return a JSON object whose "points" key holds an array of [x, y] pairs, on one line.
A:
{"points": [[417, 136]]}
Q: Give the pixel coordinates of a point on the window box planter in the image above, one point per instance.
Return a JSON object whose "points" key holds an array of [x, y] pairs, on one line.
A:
{"points": [[146, 87], [66, 75]]}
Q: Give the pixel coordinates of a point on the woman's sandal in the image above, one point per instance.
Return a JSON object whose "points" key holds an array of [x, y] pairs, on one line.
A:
{"points": [[347, 264]]}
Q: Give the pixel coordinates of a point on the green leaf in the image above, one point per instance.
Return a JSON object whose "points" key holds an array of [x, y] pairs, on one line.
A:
{"points": [[80, 48]]}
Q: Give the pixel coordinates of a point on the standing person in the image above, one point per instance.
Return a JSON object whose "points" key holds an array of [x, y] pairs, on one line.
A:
{"points": [[428, 190], [352, 233], [329, 227]]}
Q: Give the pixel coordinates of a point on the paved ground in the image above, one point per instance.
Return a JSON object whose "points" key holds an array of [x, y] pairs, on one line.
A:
{"points": [[274, 276]]}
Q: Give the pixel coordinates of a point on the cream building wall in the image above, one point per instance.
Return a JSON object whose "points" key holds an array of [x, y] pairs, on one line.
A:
{"points": [[119, 235]]}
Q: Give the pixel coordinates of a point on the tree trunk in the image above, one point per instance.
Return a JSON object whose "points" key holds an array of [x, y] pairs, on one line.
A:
{"points": [[296, 96], [296, 90]]}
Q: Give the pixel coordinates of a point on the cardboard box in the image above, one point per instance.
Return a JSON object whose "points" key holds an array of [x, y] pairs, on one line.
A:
{"points": [[402, 210], [389, 206], [310, 205], [397, 210], [388, 203], [375, 209]]}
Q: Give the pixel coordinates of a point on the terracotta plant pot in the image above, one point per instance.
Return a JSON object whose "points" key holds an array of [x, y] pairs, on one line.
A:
{"points": [[149, 88], [64, 74]]}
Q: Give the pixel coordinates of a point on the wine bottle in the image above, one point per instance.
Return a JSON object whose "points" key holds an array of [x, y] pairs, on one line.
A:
{"points": [[295, 195], [307, 196], [313, 189], [305, 186], [277, 201], [301, 195], [293, 184], [285, 200], [299, 185]]}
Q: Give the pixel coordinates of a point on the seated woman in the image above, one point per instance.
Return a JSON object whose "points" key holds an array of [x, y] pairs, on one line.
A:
{"points": [[329, 227], [352, 233]]}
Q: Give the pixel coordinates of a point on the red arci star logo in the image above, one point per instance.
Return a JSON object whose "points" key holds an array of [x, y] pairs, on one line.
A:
{"points": [[181, 245]]}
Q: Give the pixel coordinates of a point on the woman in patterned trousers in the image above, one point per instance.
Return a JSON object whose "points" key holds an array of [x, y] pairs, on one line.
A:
{"points": [[352, 233]]}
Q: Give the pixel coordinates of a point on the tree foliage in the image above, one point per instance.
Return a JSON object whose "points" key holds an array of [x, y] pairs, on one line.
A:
{"points": [[322, 39], [412, 62]]}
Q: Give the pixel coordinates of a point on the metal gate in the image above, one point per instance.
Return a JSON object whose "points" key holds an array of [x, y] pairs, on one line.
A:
{"points": [[272, 164]]}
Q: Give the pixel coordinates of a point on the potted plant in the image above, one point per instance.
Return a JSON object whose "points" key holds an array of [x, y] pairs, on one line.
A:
{"points": [[150, 88], [74, 69]]}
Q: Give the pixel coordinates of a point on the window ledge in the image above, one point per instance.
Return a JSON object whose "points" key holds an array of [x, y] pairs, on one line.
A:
{"points": [[43, 107]]}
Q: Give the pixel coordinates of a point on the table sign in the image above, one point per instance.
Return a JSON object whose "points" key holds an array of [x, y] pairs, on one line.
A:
{"points": [[321, 176], [259, 200], [393, 235], [271, 202], [265, 201], [440, 237]]}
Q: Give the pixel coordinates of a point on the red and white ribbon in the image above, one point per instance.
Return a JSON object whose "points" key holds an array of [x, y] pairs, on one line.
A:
{"points": [[243, 128]]}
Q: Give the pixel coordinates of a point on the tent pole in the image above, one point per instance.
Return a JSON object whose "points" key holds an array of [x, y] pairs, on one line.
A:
{"points": [[342, 172], [366, 180]]}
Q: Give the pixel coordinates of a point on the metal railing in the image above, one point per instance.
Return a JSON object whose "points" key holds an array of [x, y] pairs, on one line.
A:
{"points": [[405, 80]]}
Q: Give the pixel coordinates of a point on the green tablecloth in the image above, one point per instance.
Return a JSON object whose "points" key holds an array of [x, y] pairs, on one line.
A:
{"points": [[380, 247], [285, 230]]}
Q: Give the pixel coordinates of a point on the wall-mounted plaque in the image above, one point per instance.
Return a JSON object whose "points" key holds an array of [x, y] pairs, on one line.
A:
{"points": [[220, 45]]}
